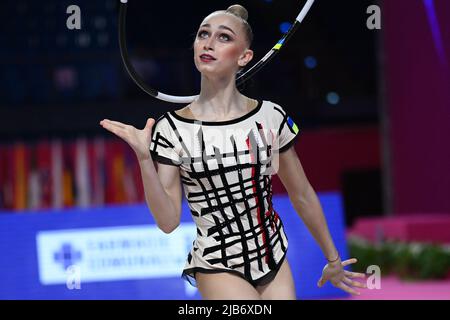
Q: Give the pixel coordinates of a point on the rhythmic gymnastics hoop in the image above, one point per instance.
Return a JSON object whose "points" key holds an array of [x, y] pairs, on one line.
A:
{"points": [[188, 99]]}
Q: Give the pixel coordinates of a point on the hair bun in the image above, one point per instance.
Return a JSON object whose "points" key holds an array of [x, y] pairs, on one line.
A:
{"points": [[239, 11]]}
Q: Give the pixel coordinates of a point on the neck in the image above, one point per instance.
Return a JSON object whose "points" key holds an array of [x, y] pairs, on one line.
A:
{"points": [[219, 96]]}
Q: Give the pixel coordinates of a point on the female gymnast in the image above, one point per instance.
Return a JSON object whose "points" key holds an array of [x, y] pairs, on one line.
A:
{"points": [[223, 148]]}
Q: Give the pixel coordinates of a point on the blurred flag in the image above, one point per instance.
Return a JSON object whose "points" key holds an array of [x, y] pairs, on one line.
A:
{"points": [[82, 174], [44, 165], [20, 172], [8, 178], [57, 174], [129, 184], [118, 172], [69, 192], [34, 183], [96, 154], [3, 169], [114, 172]]}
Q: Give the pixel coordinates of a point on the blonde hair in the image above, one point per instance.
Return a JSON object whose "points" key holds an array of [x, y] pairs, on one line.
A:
{"points": [[239, 11]]}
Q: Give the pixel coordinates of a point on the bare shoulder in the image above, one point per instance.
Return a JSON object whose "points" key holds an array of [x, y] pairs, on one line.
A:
{"points": [[181, 111], [252, 103], [184, 112]]}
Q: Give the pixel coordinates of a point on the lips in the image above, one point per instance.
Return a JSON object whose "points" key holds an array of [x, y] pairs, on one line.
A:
{"points": [[207, 58]]}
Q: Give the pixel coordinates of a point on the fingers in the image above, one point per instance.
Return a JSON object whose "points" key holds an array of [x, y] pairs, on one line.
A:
{"points": [[149, 125], [321, 282], [346, 288], [354, 274], [114, 123], [114, 127], [119, 124], [349, 261], [149, 121], [354, 283]]}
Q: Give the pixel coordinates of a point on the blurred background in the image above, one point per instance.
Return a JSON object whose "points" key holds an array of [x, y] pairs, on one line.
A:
{"points": [[373, 107]]}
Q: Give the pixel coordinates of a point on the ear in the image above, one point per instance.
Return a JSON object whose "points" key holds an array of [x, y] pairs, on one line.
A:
{"points": [[245, 58]]}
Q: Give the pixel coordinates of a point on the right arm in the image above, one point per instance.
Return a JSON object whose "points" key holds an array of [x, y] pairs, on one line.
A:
{"points": [[163, 187], [162, 193]]}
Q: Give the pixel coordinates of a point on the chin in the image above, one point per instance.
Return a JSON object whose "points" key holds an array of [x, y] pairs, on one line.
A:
{"points": [[211, 72]]}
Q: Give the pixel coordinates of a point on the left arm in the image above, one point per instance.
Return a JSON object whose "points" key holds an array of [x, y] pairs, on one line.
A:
{"points": [[305, 201], [308, 207]]}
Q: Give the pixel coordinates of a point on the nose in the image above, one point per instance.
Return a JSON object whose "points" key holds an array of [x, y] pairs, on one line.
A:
{"points": [[209, 44]]}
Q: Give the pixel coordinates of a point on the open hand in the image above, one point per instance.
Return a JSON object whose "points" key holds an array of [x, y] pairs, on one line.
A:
{"points": [[341, 278], [139, 140]]}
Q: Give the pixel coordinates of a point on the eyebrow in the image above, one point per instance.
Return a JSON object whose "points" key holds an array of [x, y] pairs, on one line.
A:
{"points": [[220, 27]]}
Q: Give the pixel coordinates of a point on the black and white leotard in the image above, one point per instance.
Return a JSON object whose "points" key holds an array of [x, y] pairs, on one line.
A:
{"points": [[226, 170]]}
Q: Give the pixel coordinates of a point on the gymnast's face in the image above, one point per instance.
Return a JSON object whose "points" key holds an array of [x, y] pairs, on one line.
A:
{"points": [[221, 47]]}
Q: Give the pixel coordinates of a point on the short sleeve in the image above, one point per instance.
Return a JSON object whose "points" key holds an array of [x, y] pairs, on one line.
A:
{"points": [[288, 131], [163, 145]]}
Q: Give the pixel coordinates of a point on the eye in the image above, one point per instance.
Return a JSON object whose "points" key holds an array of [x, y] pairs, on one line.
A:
{"points": [[202, 34], [225, 37]]}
